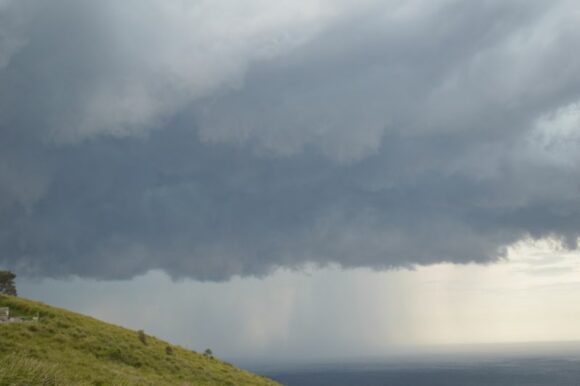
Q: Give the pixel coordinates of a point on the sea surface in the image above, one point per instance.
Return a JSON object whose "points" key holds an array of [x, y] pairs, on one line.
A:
{"points": [[467, 369]]}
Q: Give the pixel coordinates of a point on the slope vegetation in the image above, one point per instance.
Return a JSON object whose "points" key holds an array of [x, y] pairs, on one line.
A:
{"points": [[65, 348]]}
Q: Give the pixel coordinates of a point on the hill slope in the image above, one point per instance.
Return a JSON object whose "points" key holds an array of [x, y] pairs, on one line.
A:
{"points": [[65, 348]]}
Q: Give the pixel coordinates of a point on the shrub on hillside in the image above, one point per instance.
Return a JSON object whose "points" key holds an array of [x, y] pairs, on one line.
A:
{"points": [[142, 337]]}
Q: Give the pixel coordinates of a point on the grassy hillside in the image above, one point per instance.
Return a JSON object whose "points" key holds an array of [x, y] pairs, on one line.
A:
{"points": [[65, 348]]}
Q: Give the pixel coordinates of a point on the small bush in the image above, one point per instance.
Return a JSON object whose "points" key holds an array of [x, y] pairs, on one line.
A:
{"points": [[142, 337], [168, 350]]}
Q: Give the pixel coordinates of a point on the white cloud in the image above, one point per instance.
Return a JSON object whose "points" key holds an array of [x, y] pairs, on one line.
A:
{"points": [[556, 138]]}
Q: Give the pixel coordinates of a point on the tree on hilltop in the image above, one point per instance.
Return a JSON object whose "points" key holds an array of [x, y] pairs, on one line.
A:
{"points": [[7, 283]]}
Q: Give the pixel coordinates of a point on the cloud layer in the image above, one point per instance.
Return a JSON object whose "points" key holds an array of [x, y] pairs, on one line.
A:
{"points": [[213, 139]]}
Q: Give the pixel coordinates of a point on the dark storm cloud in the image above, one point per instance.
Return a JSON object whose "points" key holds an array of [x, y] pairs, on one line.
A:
{"points": [[212, 140]]}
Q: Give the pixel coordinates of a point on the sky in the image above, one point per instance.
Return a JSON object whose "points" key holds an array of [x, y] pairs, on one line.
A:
{"points": [[293, 174], [330, 314]]}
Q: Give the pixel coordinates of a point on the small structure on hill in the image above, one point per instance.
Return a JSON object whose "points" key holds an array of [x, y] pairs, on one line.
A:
{"points": [[6, 317], [4, 314]]}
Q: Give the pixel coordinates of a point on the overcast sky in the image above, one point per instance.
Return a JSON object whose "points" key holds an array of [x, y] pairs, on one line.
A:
{"points": [[231, 144]]}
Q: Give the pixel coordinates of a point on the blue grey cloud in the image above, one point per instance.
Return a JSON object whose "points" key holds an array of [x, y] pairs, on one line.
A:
{"points": [[211, 140]]}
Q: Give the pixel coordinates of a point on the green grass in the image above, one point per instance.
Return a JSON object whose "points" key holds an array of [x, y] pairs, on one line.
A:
{"points": [[65, 348]]}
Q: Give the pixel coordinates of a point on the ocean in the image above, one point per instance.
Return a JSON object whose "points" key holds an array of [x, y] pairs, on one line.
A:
{"points": [[519, 368]]}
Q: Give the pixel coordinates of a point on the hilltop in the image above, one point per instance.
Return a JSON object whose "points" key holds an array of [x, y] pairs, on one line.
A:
{"points": [[66, 348]]}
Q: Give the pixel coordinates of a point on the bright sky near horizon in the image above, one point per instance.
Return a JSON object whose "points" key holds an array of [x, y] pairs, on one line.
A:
{"points": [[531, 296]]}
